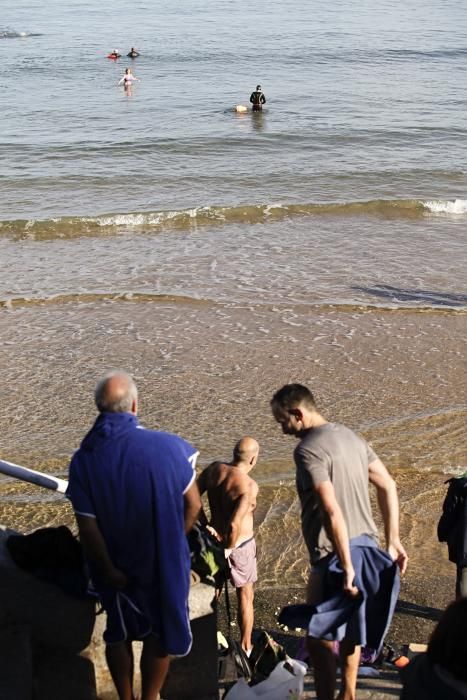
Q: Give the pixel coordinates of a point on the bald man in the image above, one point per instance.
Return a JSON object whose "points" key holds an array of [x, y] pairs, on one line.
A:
{"points": [[134, 495], [232, 500]]}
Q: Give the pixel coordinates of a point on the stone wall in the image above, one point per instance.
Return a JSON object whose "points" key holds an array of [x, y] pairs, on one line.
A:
{"points": [[51, 644]]}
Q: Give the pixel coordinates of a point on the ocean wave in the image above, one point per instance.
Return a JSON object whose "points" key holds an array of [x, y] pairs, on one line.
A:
{"points": [[458, 206], [14, 34], [392, 303], [409, 54], [11, 303], [191, 219]]}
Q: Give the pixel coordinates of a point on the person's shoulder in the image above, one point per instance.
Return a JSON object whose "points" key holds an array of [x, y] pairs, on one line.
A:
{"points": [[344, 430], [159, 437], [211, 470], [253, 485], [76, 458], [243, 481], [215, 467]]}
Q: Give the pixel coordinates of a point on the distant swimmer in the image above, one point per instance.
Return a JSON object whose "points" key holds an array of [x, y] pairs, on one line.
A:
{"points": [[257, 99], [114, 54], [128, 78], [133, 53]]}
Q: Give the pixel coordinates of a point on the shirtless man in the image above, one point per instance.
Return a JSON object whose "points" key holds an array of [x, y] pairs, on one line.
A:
{"points": [[232, 501]]}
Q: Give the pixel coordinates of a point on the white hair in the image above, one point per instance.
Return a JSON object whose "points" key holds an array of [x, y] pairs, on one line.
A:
{"points": [[118, 402]]}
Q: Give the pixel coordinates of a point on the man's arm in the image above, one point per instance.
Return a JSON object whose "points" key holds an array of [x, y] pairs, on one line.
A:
{"points": [[96, 551], [337, 531], [244, 504], [192, 506], [202, 482], [389, 505], [242, 507]]}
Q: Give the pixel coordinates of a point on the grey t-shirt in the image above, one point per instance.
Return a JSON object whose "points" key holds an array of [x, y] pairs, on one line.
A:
{"points": [[334, 453]]}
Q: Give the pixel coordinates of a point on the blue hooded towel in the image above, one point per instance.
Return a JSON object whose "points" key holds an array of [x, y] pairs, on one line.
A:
{"points": [[364, 620], [132, 481]]}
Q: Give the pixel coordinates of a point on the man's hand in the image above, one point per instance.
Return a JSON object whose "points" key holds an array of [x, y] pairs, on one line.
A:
{"points": [[116, 579], [96, 551], [212, 531], [397, 553], [349, 588]]}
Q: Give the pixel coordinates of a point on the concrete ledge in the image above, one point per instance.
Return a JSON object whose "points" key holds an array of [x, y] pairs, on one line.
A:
{"points": [[194, 677], [16, 663], [56, 619], [43, 631]]}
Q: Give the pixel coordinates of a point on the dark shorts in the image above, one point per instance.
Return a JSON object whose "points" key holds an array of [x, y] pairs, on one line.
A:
{"points": [[242, 562], [125, 619]]}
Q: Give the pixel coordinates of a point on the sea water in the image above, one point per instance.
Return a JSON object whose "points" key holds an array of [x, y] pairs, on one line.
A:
{"points": [[218, 255]]}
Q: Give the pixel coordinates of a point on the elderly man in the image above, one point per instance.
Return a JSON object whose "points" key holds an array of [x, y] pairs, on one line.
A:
{"points": [[232, 500], [134, 496], [353, 585]]}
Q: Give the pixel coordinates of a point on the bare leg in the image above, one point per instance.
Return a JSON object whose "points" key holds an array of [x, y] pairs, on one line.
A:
{"points": [[120, 662], [154, 667], [461, 582], [324, 665], [321, 652], [245, 617], [350, 659]]}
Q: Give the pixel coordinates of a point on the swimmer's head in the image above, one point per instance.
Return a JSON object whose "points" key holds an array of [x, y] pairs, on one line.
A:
{"points": [[258, 87]]}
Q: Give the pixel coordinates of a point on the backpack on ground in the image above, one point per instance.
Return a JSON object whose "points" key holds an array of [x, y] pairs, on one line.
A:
{"points": [[452, 525], [53, 554]]}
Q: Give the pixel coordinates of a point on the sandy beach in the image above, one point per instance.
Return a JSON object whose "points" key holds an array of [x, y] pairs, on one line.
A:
{"points": [[384, 378], [216, 256]]}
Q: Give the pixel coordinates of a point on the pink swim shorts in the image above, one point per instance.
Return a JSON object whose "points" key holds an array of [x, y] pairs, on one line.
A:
{"points": [[242, 561]]}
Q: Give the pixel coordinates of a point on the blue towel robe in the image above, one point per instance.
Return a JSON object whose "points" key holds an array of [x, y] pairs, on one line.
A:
{"points": [[364, 620], [132, 481]]}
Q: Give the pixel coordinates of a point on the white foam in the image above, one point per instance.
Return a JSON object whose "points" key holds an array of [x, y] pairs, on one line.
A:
{"points": [[122, 220], [458, 206]]}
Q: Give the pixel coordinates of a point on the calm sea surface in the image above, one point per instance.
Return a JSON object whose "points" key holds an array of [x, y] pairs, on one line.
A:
{"points": [[217, 255]]}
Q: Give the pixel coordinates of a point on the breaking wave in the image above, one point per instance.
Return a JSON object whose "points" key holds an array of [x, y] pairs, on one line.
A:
{"points": [[393, 302], [13, 34], [458, 206], [191, 219]]}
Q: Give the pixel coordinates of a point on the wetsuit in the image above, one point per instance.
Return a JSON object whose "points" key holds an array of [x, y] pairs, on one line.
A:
{"points": [[257, 99]]}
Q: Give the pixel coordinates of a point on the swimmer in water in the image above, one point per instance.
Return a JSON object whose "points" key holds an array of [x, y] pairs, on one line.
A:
{"points": [[115, 54], [133, 53], [257, 99], [128, 78]]}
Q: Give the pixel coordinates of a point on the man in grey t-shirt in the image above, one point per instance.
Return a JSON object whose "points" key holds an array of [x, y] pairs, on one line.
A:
{"points": [[333, 469]]}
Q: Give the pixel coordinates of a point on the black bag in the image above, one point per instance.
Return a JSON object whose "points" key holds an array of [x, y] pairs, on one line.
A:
{"points": [[52, 554], [233, 664], [452, 525], [207, 556], [265, 656]]}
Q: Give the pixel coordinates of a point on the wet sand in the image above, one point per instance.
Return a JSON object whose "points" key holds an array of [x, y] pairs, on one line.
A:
{"points": [[207, 371]]}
